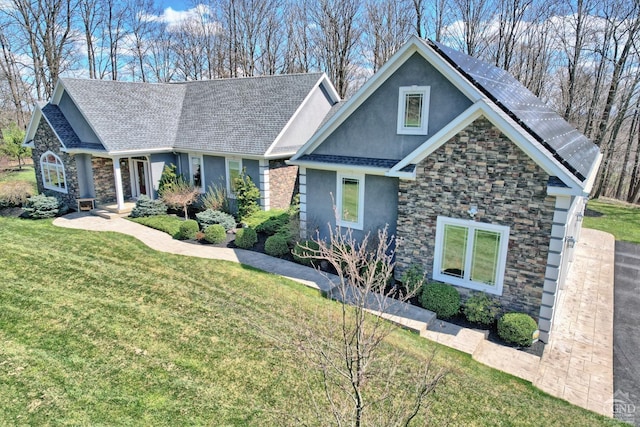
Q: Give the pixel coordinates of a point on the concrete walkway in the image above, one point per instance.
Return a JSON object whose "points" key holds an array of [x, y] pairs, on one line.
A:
{"points": [[577, 364]]}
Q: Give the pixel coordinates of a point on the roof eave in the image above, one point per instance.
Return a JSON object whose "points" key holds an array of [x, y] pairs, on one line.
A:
{"points": [[339, 167]]}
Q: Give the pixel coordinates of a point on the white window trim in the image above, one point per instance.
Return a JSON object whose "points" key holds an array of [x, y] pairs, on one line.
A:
{"points": [[202, 181], [425, 91], [230, 193], [359, 225], [466, 282], [42, 172]]}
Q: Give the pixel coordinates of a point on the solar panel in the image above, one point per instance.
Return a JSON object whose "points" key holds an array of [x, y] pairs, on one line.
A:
{"points": [[562, 140]]}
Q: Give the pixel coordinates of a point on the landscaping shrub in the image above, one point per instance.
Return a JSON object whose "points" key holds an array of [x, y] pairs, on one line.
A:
{"points": [[274, 224], [301, 253], [517, 328], [276, 245], [480, 308], [168, 178], [247, 196], [216, 199], [210, 217], [413, 279], [246, 238], [188, 229], [42, 206], [14, 193], [215, 234], [441, 298], [147, 207]]}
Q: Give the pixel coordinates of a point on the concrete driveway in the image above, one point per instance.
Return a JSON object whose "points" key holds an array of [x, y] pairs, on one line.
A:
{"points": [[626, 333]]}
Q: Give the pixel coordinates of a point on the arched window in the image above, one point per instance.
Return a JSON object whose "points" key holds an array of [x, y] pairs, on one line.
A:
{"points": [[53, 177]]}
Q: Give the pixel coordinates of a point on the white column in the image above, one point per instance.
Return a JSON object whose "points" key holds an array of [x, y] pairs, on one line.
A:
{"points": [[118, 181], [264, 185]]}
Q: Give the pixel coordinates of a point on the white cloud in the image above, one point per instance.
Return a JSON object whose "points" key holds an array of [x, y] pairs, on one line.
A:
{"points": [[175, 18]]}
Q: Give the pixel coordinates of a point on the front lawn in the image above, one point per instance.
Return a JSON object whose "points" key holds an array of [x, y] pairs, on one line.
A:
{"points": [[615, 217], [97, 329], [170, 224]]}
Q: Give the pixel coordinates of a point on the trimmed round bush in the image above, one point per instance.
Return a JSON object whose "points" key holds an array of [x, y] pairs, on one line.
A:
{"points": [[147, 207], [517, 328], [276, 245], [303, 255], [188, 229], [210, 217], [246, 238], [441, 298], [215, 234], [42, 206], [480, 308]]}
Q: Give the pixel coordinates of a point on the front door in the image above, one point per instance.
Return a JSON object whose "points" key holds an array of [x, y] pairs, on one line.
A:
{"points": [[140, 175]]}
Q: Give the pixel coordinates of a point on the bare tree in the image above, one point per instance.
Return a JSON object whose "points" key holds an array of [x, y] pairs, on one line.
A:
{"points": [[475, 15], [10, 73], [336, 37], [358, 360], [388, 24], [46, 26], [180, 194], [91, 15]]}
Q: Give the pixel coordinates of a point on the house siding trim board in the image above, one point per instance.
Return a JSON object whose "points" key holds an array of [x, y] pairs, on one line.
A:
{"points": [[302, 178], [481, 166]]}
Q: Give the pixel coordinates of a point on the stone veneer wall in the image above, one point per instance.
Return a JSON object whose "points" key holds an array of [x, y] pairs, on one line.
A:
{"points": [[103, 179], [481, 166], [46, 140], [283, 184]]}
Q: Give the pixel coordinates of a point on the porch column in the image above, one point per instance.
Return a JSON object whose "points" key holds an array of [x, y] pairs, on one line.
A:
{"points": [[264, 185], [118, 181]]}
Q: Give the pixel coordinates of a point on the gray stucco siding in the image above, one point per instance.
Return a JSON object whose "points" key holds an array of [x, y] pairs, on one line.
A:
{"points": [[214, 171], [77, 120], [158, 162], [371, 131], [252, 169], [380, 203], [85, 176]]}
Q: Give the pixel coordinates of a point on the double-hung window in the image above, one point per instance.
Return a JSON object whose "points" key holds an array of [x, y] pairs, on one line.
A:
{"points": [[413, 110], [234, 170], [471, 254], [53, 176], [350, 200]]}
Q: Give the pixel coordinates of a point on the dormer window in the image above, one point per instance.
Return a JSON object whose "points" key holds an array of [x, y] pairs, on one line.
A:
{"points": [[413, 110]]}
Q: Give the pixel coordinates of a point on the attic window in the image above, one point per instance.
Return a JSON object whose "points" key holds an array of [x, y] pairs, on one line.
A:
{"points": [[413, 110]]}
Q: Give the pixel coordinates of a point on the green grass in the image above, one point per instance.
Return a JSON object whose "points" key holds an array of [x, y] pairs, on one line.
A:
{"points": [[26, 174], [97, 329], [170, 224], [615, 217]]}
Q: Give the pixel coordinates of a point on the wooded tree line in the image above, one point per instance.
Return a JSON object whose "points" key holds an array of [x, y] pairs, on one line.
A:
{"points": [[581, 56]]}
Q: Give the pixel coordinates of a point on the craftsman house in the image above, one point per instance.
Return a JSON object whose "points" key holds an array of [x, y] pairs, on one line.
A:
{"points": [[482, 184], [108, 141]]}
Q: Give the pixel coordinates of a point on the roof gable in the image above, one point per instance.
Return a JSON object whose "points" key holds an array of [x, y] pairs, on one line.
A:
{"points": [[548, 138]]}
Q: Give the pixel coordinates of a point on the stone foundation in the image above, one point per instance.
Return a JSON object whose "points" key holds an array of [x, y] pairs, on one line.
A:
{"points": [[480, 166]]}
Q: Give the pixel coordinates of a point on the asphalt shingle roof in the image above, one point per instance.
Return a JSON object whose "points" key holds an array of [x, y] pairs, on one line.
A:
{"points": [[64, 130], [349, 160], [243, 115], [564, 142]]}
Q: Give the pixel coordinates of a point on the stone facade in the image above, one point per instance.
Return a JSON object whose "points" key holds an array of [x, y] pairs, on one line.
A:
{"points": [[480, 166], [283, 184], [104, 180], [46, 140]]}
